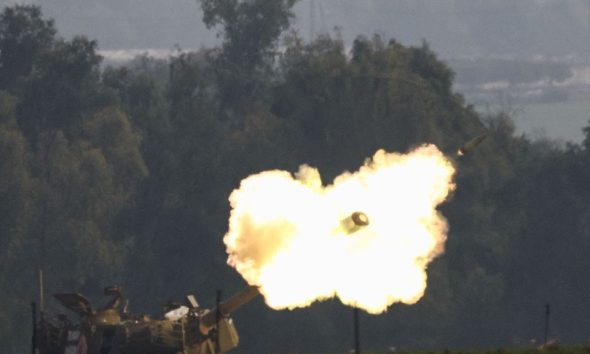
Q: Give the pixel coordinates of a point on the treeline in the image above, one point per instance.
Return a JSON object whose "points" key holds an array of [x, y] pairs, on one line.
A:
{"points": [[121, 175]]}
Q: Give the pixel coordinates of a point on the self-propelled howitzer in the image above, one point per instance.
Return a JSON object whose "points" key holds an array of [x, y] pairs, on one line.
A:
{"points": [[186, 329]]}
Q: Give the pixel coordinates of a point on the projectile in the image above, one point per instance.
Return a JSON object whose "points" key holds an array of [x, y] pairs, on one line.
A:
{"points": [[471, 144], [355, 222]]}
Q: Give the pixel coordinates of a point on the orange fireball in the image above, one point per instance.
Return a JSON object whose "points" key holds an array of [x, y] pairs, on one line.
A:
{"points": [[287, 236]]}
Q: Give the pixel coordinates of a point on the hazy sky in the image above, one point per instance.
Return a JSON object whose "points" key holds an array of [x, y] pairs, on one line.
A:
{"points": [[461, 28]]}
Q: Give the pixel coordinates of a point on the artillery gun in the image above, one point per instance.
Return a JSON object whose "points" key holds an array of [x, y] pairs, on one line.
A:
{"points": [[184, 329]]}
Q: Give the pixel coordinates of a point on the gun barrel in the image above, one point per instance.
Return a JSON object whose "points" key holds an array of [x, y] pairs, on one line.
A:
{"points": [[230, 305], [354, 222]]}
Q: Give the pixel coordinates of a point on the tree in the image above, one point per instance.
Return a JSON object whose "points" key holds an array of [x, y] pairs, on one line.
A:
{"points": [[70, 168], [250, 31], [64, 90], [24, 37], [345, 108]]}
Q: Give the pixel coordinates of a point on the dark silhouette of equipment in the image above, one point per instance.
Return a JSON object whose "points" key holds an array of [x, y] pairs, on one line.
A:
{"points": [[186, 329]]}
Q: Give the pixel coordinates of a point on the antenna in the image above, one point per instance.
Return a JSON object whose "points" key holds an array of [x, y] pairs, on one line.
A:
{"points": [[311, 20], [547, 313], [217, 320], [357, 340], [322, 19], [41, 294]]}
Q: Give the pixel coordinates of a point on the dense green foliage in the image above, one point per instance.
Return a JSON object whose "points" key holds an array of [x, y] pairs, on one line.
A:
{"points": [[122, 176]]}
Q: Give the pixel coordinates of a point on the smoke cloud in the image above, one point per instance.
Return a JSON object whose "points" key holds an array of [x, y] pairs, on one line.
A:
{"points": [[287, 236]]}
